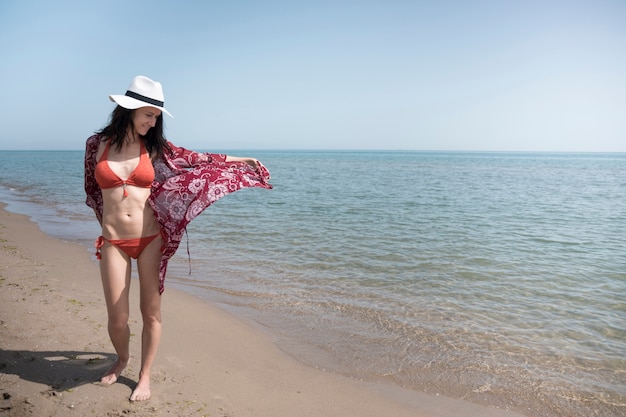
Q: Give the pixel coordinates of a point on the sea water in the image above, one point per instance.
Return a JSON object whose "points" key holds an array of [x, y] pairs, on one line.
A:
{"points": [[499, 278]]}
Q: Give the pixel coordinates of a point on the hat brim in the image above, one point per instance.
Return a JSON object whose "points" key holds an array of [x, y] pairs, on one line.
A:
{"points": [[132, 103]]}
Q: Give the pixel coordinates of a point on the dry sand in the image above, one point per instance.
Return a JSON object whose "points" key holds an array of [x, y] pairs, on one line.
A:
{"points": [[54, 345]]}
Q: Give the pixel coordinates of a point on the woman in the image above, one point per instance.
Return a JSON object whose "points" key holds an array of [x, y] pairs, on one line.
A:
{"points": [[144, 191]]}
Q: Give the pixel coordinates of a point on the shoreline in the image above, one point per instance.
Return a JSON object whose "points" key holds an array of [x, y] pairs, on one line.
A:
{"points": [[54, 345]]}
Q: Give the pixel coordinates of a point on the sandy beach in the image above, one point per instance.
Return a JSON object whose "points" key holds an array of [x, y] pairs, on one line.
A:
{"points": [[54, 347]]}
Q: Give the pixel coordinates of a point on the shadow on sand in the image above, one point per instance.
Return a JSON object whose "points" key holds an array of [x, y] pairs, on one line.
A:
{"points": [[60, 370]]}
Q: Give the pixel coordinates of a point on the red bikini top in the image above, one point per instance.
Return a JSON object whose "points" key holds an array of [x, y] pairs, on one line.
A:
{"points": [[142, 176]]}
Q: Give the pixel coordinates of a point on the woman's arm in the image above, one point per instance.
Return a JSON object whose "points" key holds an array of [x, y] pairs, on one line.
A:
{"points": [[185, 158], [254, 163]]}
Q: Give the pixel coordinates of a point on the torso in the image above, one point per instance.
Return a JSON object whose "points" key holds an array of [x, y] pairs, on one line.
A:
{"points": [[131, 216]]}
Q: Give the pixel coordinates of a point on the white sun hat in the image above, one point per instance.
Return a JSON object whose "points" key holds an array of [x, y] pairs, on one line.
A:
{"points": [[142, 92]]}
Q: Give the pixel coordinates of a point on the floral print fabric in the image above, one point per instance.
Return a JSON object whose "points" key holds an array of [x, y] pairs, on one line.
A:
{"points": [[185, 183]]}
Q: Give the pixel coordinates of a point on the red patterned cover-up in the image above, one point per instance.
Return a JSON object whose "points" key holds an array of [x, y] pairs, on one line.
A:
{"points": [[185, 183]]}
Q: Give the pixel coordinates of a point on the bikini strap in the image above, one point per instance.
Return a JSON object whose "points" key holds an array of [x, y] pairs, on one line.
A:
{"points": [[98, 244], [105, 153]]}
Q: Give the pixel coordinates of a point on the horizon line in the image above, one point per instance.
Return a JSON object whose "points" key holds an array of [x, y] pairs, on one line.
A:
{"points": [[217, 150]]}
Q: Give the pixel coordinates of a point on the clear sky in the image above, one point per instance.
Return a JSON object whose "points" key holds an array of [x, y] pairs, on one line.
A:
{"points": [[426, 75]]}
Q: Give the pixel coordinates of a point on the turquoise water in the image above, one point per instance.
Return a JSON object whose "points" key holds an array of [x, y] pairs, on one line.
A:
{"points": [[499, 278]]}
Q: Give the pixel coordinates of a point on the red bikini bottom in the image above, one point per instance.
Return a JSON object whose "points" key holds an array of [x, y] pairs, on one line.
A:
{"points": [[132, 247]]}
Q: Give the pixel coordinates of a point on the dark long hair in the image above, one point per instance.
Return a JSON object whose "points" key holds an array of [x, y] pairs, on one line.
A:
{"points": [[122, 119]]}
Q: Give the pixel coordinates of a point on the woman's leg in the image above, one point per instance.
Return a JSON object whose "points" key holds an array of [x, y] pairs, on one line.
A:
{"points": [[150, 304], [115, 273]]}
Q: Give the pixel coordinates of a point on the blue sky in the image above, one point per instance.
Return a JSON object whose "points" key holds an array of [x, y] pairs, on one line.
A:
{"points": [[424, 75]]}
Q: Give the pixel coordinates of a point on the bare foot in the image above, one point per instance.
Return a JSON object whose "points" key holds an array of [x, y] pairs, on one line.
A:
{"points": [[114, 372], [142, 390]]}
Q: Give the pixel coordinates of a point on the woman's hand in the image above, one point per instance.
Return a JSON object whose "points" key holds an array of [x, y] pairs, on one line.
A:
{"points": [[254, 163]]}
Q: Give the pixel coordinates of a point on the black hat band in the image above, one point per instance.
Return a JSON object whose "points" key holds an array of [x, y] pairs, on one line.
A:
{"points": [[144, 98]]}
